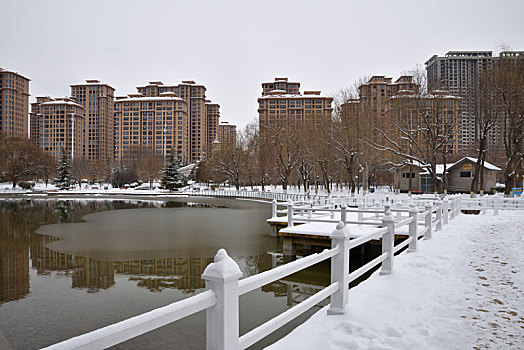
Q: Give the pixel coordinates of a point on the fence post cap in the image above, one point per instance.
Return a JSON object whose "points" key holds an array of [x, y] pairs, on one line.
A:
{"points": [[445, 199], [412, 208], [223, 268], [274, 200], [388, 217], [341, 231]]}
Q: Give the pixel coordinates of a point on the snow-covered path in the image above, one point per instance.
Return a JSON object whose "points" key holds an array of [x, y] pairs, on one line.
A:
{"points": [[463, 289]]}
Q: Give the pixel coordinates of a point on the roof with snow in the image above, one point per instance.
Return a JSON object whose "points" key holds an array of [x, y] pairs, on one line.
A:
{"points": [[93, 82], [149, 99], [268, 97], [487, 165], [61, 102], [449, 166]]}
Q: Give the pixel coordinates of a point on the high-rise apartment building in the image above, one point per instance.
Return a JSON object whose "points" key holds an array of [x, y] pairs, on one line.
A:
{"points": [[14, 104], [195, 96], [213, 117], [98, 101], [283, 106], [35, 117], [57, 127], [377, 91], [459, 73], [407, 109], [158, 122], [386, 107], [227, 135]]}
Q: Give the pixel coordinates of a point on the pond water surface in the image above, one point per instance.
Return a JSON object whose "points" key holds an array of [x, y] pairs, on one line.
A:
{"points": [[69, 266]]}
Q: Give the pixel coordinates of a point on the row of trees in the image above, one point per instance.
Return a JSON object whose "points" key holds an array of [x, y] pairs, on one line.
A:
{"points": [[422, 130], [326, 154], [171, 178], [21, 161]]}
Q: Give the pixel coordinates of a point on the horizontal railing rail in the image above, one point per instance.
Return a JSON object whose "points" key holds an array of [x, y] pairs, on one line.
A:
{"points": [[119, 332]]}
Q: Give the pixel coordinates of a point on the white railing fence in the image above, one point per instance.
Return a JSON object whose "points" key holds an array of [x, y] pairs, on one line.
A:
{"points": [[221, 300]]}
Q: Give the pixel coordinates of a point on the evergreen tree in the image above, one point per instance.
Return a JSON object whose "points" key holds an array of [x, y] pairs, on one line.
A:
{"points": [[171, 178], [63, 181]]}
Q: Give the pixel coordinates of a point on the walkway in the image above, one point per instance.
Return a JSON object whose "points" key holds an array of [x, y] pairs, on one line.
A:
{"points": [[462, 289]]}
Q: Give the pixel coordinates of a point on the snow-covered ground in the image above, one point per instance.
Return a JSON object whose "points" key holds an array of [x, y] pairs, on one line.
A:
{"points": [[463, 289], [7, 188]]}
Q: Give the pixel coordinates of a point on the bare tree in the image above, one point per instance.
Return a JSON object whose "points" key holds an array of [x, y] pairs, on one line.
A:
{"points": [[149, 166], [509, 92], [486, 120], [20, 159], [231, 161], [423, 134], [98, 171], [80, 169], [284, 147]]}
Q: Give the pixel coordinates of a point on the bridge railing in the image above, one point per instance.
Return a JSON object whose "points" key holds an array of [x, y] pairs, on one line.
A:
{"points": [[224, 286], [495, 203], [298, 212]]}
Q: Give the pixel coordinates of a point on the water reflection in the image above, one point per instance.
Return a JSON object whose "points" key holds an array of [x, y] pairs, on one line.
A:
{"points": [[55, 272]]}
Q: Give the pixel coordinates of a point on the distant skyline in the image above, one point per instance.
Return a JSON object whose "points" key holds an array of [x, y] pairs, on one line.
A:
{"points": [[231, 47]]}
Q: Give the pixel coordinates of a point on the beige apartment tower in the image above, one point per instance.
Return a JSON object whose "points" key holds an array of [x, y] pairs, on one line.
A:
{"points": [[213, 119], [376, 92], [14, 104], [57, 127], [227, 135], [407, 110], [160, 123], [283, 106], [195, 96], [98, 101]]}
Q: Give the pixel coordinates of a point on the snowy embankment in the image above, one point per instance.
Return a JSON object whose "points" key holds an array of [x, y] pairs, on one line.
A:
{"points": [[462, 289]]}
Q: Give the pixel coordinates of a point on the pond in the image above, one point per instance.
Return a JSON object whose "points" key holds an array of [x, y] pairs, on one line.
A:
{"points": [[69, 266]]}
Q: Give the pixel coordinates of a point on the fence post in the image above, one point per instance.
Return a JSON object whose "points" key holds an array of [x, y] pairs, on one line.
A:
{"points": [[388, 240], [483, 203], [274, 208], [290, 214], [340, 270], [452, 208], [413, 228], [496, 205], [222, 320], [343, 213], [427, 223], [310, 210], [439, 215], [360, 214], [445, 211]]}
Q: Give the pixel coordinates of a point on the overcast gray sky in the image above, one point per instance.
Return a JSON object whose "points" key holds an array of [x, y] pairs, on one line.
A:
{"points": [[233, 46]]}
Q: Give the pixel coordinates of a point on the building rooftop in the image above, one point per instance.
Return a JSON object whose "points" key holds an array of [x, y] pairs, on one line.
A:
{"points": [[62, 101], [93, 82], [469, 53], [13, 72], [265, 97], [148, 99]]}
